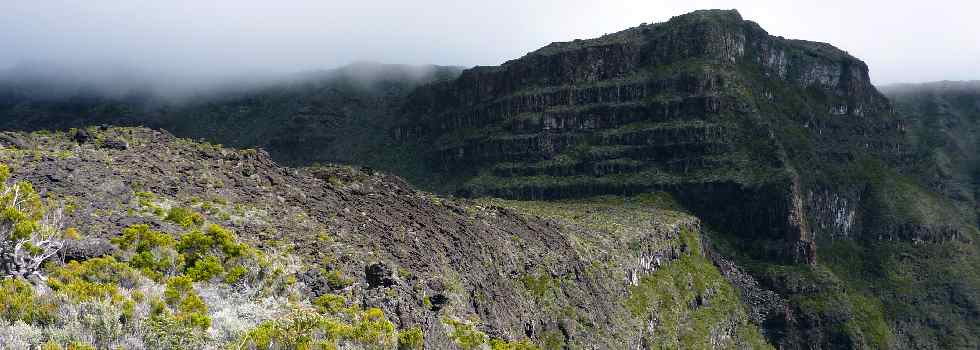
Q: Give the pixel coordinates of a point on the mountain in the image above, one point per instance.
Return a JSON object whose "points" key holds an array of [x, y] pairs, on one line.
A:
{"points": [[802, 168], [696, 183], [319, 116], [943, 119]]}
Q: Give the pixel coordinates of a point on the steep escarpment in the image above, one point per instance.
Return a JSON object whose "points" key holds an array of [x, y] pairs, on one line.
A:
{"points": [[783, 145], [706, 106], [593, 273], [658, 107]]}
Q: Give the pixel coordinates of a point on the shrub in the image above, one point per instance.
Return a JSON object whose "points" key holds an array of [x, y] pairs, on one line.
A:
{"points": [[465, 335], [191, 309], [411, 339], [99, 270], [235, 274], [336, 280], [216, 250], [184, 217], [104, 320], [497, 344], [163, 331], [20, 335], [295, 331], [374, 328], [205, 269], [177, 288], [226, 241], [150, 251], [19, 302], [51, 345], [80, 346], [30, 233], [330, 303], [95, 278]]}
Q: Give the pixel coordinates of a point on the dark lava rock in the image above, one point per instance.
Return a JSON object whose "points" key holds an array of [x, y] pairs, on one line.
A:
{"points": [[115, 144], [84, 249], [12, 140], [438, 301], [379, 275], [315, 282], [81, 136]]}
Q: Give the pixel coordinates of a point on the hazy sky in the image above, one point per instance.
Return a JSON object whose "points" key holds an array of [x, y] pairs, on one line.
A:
{"points": [[902, 41]]}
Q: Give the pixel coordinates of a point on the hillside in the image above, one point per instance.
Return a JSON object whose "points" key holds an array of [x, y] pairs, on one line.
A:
{"points": [[599, 272]]}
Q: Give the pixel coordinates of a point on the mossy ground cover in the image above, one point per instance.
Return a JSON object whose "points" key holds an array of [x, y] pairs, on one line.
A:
{"points": [[687, 301], [892, 282], [837, 291]]}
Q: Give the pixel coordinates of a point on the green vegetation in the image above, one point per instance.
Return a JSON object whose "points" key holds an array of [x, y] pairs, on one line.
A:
{"points": [[30, 228], [152, 252], [310, 329], [685, 299], [539, 286], [411, 339], [184, 217], [467, 337], [681, 303], [157, 287], [19, 302]]}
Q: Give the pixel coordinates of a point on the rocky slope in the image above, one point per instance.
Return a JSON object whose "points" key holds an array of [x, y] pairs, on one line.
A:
{"points": [[597, 273]]}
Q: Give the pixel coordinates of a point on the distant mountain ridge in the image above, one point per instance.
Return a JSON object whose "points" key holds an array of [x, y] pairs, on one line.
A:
{"points": [[296, 117]]}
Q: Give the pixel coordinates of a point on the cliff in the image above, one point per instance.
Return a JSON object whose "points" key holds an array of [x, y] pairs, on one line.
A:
{"points": [[694, 106]]}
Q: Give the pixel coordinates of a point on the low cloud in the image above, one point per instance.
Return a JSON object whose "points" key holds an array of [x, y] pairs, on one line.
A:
{"points": [[183, 46]]}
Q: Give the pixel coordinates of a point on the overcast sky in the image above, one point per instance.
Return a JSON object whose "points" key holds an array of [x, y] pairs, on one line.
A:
{"points": [[902, 41]]}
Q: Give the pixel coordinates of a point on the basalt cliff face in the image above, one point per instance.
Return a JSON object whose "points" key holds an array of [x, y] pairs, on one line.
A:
{"points": [[698, 106], [782, 145]]}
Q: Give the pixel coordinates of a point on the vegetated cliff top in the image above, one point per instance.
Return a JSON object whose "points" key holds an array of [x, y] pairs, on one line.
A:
{"points": [[705, 19]]}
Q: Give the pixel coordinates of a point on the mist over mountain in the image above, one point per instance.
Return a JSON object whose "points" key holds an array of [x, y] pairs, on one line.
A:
{"points": [[695, 183]]}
